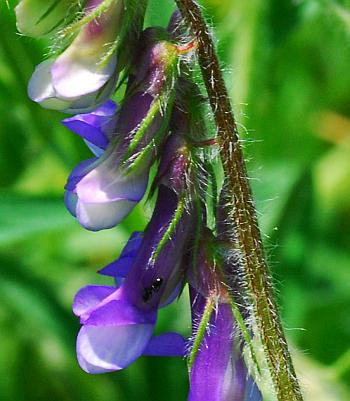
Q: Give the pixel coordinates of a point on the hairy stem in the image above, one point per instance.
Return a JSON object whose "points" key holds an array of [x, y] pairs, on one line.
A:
{"points": [[243, 215]]}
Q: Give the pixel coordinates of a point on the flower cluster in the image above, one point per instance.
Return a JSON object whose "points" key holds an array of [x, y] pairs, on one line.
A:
{"points": [[159, 122]]}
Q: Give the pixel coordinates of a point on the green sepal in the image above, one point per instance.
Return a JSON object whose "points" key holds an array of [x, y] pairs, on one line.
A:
{"points": [[200, 332], [180, 209]]}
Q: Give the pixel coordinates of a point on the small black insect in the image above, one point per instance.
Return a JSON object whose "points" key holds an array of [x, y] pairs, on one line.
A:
{"points": [[148, 292]]}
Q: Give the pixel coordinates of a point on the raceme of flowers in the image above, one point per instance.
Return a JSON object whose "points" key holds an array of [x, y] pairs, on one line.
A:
{"points": [[100, 47]]}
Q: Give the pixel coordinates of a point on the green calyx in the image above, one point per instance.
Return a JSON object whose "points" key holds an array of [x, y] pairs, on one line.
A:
{"points": [[171, 229], [76, 26], [200, 333]]}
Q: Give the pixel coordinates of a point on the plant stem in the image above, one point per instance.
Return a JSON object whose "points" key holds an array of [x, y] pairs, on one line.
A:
{"points": [[243, 214]]}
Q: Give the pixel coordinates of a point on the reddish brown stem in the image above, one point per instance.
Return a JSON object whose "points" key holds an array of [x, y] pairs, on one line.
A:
{"points": [[243, 214]]}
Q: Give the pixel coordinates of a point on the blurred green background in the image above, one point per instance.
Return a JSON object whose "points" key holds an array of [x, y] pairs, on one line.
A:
{"points": [[287, 65]]}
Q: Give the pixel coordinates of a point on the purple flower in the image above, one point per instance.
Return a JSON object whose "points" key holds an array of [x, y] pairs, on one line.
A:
{"points": [[101, 192], [118, 323], [219, 372], [100, 195], [80, 79], [98, 192], [105, 191]]}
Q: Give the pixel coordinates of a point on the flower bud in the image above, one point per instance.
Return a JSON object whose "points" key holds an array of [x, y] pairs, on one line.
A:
{"points": [[81, 78], [36, 18], [175, 159], [156, 61]]}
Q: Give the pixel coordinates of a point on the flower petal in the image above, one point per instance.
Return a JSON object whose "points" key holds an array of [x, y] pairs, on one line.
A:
{"points": [[87, 131], [109, 348], [90, 297], [95, 127], [107, 183], [100, 216], [121, 266], [119, 313], [71, 201], [78, 173], [73, 78], [107, 109], [40, 88], [80, 69], [214, 375], [167, 344], [133, 244], [97, 151], [89, 102]]}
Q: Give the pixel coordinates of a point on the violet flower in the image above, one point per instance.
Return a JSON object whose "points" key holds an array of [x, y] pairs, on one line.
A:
{"points": [[80, 79], [100, 192], [101, 197], [96, 129], [118, 323], [217, 369], [219, 372], [105, 191]]}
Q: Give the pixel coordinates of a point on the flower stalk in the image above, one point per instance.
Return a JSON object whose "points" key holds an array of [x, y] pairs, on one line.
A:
{"points": [[242, 214]]}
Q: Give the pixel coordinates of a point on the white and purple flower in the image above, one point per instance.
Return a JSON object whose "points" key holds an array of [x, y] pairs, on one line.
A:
{"points": [[100, 197], [81, 78], [101, 191], [118, 323]]}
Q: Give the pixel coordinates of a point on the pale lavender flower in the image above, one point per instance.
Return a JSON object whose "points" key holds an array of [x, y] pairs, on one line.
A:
{"points": [[107, 189], [101, 197], [80, 79], [101, 192], [96, 128]]}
